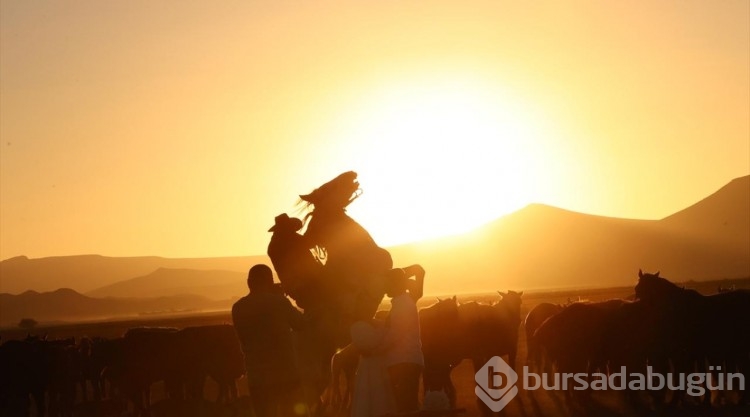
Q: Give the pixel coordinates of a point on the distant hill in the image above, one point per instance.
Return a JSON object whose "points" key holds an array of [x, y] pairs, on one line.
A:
{"points": [[86, 273], [68, 305], [722, 217], [547, 247], [536, 247], [217, 285]]}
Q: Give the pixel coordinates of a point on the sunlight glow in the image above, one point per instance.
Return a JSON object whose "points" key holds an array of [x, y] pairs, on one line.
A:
{"points": [[440, 158]]}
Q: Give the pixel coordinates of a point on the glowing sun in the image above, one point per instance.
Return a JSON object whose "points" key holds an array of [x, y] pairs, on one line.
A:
{"points": [[440, 158]]}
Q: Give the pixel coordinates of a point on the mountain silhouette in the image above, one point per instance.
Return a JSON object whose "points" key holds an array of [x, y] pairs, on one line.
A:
{"points": [[217, 285], [86, 273], [722, 217], [65, 304], [541, 246], [546, 247], [538, 246]]}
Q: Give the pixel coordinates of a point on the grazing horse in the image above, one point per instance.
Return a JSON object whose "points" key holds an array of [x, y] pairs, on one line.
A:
{"points": [[490, 330], [508, 318], [571, 340], [23, 374], [695, 330], [538, 315], [40, 368], [439, 328], [476, 332]]}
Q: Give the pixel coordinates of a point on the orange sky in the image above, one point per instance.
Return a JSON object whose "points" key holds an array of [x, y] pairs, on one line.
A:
{"points": [[182, 128]]}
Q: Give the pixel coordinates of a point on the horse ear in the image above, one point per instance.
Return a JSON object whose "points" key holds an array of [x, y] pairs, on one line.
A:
{"points": [[657, 274], [454, 299], [439, 300], [501, 294], [520, 293], [640, 273]]}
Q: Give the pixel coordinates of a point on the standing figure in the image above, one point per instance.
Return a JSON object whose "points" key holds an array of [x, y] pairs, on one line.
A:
{"points": [[402, 340], [373, 395], [264, 320]]}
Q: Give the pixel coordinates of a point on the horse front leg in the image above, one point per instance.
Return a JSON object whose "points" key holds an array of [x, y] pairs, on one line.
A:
{"points": [[478, 363], [436, 376]]}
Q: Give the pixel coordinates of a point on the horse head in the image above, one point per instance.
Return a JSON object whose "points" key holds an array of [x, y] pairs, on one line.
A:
{"points": [[439, 326], [336, 194], [446, 309], [511, 297], [510, 303], [348, 248], [440, 315], [653, 287]]}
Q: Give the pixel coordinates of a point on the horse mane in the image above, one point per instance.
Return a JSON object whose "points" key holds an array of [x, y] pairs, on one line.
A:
{"points": [[440, 303], [435, 315], [475, 312]]}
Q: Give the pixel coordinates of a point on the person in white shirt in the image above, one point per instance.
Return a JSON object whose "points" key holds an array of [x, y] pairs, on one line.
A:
{"points": [[402, 344]]}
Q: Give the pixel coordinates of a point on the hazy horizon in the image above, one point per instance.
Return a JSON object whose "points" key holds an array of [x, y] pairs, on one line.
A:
{"points": [[417, 241]]}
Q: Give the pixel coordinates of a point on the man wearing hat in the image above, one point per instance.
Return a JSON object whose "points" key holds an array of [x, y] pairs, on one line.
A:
{"points": [[301, 276], [264, 320], [297, 268]]}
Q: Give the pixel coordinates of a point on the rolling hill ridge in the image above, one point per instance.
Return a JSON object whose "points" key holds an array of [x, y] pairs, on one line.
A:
{"points": [[65, 304]]}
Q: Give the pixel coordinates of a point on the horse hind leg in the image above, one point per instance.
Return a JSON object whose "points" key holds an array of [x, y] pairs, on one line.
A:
{"points": [[40, 402], [222, 392], [333, 394], [233, 393]]}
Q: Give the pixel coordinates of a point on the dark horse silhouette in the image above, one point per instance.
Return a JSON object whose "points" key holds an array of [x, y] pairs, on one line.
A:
{"points": [[536, 317], [334, 271], [348, 272], [570, 341], [474, 331], [354, 263], [695, 330], [440, 328]]}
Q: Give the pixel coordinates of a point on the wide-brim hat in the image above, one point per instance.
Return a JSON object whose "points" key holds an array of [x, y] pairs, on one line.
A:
{"points": [[284, 222]]}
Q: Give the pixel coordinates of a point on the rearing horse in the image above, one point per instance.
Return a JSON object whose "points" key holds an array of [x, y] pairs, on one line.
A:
{"points": [[354, 263]]}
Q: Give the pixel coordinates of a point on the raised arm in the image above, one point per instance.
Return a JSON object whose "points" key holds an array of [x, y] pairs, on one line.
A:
{"points": [[295, 317], [416, 271]]}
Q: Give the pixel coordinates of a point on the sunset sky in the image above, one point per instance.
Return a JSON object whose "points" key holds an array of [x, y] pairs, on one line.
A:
{"points": [[182, 128]]}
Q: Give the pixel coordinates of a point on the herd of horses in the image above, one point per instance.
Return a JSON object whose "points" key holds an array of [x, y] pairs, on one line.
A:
{"points": [[667, 327], [110, 373]]}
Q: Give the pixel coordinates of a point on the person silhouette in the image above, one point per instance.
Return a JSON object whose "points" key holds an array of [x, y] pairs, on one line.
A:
{"points": [[264, 320], [298, 269], [402, 340]]}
